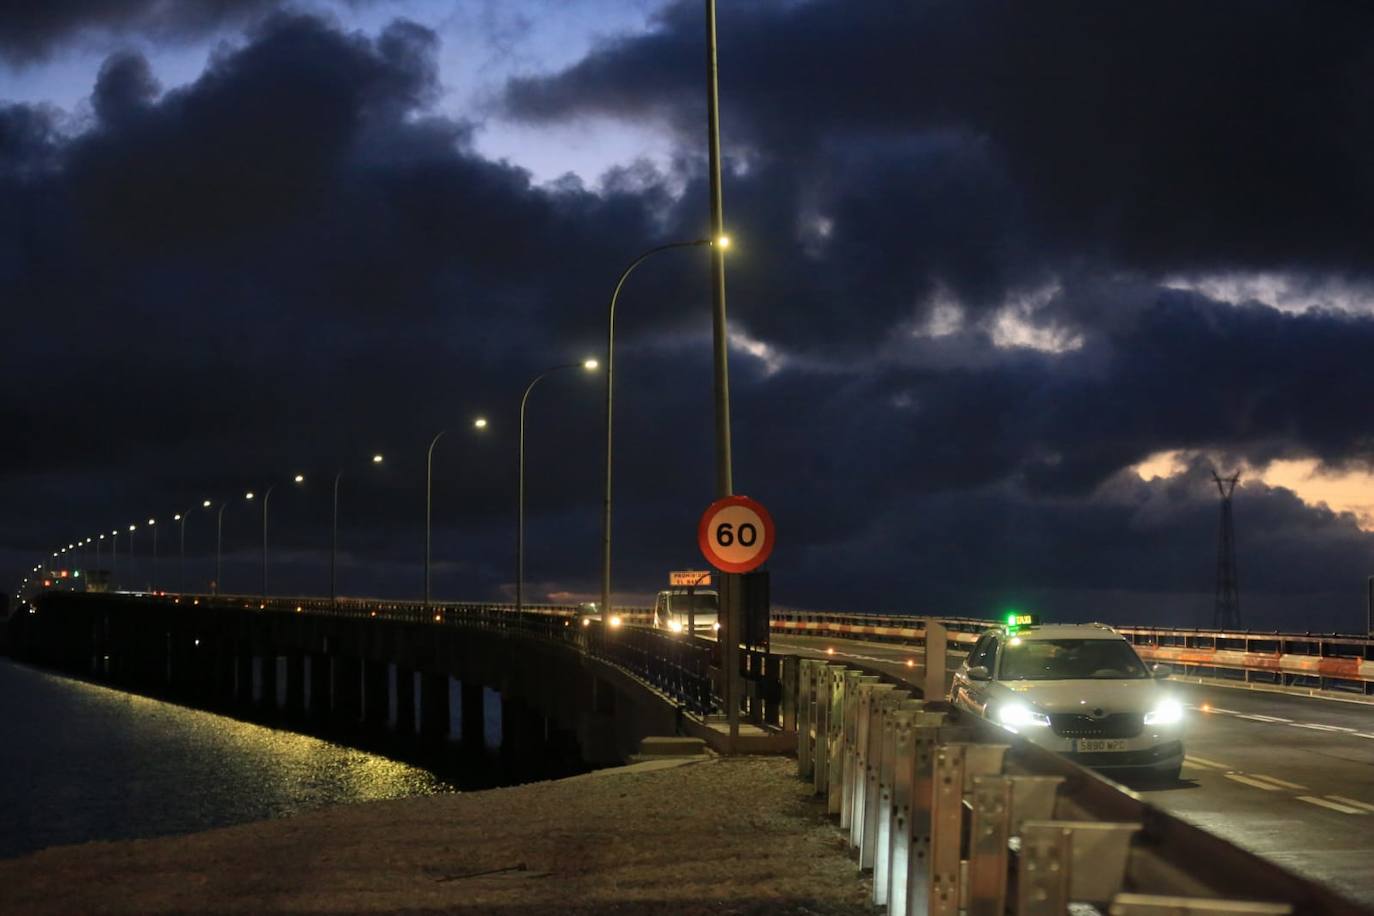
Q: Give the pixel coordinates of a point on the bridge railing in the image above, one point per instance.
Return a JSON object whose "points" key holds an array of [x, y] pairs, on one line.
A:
{"points": [[676, 667], [1332, 663]]}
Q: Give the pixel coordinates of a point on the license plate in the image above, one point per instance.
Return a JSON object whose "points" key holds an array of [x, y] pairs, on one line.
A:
{"points": [[1101, 744]]}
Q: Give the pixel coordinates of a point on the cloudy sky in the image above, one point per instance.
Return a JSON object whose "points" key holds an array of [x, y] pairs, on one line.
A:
{"points": [[1009, 282]]}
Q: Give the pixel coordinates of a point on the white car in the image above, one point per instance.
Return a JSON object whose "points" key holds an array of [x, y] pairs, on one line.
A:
{"points": [[1080, 689]]}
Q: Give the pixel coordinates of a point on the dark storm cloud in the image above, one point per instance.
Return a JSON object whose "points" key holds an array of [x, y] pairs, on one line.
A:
{"points": [[1162, 135], [294, 261], [31, 31]]}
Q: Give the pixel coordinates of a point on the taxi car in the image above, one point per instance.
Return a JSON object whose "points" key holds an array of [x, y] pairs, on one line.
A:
{"points": [[1078, 689]]}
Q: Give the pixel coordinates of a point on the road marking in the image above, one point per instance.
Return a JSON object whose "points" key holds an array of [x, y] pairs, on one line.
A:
{"points": [[1361, 735], [1259, 718], [1333, 806], [1279, 782], [1352, 801], [1252, 782], [1321, 728], [1229, 712], [1194, 762], [1207, 763]]}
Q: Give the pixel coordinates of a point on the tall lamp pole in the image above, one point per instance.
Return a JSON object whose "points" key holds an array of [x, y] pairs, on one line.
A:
{"points": [[133, 581], [152, 524], [334, 539], [589, 365], [610, 390], [114, 559], [266, 497], [729, 592], [219, 541], [479, 423]]}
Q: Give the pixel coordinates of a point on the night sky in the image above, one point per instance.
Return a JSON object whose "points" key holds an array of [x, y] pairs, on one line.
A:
{"points": [[1008, 281]]}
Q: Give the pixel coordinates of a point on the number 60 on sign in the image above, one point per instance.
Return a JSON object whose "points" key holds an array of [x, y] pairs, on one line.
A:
{"points": [[735, 534]]}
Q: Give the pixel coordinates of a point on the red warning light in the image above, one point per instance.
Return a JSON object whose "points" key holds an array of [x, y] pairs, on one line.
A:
{"points": [[63, 574], [47, 583]]}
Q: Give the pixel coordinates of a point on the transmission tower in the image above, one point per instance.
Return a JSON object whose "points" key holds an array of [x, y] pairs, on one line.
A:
{"points": [[1226, 610]]}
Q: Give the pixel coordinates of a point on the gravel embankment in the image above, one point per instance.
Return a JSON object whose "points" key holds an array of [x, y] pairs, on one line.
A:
{"points": [[736, 836]]}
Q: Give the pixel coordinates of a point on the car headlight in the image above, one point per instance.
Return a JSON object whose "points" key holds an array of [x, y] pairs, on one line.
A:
{"points": [[1019, 715], [715, 627], [675, 626], [1166, 712]]}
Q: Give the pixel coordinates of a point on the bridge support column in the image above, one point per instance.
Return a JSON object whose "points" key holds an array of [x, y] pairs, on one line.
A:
{"points": [[321, 698], [473, 721], [295, 683], [376, 693], [348, 688], [243, 673], [405, 701], [267, 667], [434, 706]]}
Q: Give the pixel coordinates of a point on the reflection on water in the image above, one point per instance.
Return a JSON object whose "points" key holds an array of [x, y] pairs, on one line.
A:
{"points": [[81, 762]]}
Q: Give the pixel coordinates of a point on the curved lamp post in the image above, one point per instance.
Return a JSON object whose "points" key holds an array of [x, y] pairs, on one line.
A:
{"points": [[610, 380], [133, 581], [590, 365], [479, 423], [334, 540], [266, 498], [152, 525]]}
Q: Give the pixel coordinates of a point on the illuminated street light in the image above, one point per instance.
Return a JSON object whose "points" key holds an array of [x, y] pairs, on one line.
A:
{"points": [[587, 365], [723, 241], [266, 497], [248, 495], [205, 504], [334, 538], [478, 423], [610, 392], [152, 523]]}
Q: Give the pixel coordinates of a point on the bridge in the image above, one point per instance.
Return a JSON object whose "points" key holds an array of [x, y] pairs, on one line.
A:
{"points": [[1278, 768]]}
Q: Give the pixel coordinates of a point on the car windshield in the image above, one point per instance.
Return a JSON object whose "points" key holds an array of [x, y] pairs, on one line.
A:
{"points": [[701, 602], [1069, 659]]}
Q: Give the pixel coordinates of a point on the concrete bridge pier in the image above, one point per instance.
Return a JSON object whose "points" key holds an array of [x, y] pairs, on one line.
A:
{"points": [[405, 701], [320, 700], [267, 667], [473, 722], [295, 683], [348, 689], [434, 706], [376, 694], [243, 673]]}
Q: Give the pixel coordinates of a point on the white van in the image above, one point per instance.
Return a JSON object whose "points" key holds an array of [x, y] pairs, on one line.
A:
{"points": [[676, 609]]}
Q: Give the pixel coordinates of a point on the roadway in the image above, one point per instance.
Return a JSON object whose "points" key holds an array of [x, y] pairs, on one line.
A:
{"points": [[1290, 778]]}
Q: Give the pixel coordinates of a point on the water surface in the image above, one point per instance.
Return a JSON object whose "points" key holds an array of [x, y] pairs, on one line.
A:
{"points": [[81, 762]]}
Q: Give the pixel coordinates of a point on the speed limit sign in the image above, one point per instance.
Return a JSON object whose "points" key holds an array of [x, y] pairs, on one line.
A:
{"points": [[735, 534]]}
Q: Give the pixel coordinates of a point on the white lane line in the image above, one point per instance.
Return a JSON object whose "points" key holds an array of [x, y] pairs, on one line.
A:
{"points": [[1279, 782], [1354, 802], [1361, 735], [1207, 763], [1229, 712], [1194, 762], [1272, 720], [1333, 806], [1252, 782], [1322, 728]]}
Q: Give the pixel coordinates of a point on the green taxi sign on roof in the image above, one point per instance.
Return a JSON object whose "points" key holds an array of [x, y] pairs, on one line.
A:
{"points": [[1016, 619]]}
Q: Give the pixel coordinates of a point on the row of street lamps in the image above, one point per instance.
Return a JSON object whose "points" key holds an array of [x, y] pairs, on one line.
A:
{"points": [[479, 423]]}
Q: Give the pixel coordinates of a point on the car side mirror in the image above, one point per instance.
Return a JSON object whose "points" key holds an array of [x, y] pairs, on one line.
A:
{"points": [[1160, 672], [979, 673]]}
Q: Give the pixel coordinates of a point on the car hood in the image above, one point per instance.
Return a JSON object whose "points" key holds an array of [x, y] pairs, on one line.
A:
{"points": [[1085, 695]]}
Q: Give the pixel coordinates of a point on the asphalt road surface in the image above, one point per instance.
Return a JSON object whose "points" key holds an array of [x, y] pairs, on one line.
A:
{"points": [[1290, 778]]}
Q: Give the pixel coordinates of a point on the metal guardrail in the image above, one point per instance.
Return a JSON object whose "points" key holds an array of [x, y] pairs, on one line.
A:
{"points": [[1334, 664], [954, 818], [678, 668], [1326, 664]]}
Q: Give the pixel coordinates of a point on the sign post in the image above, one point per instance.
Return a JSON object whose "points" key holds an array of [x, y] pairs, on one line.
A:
{"points": [[736, 535]]}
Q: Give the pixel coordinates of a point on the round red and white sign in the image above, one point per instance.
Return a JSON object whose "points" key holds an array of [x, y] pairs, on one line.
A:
{"points": [[735, 534]]}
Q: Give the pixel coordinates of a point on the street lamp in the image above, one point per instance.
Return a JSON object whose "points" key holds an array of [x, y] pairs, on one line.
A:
{"points": [[219, 537], [479, 423], [114, 557], [132, 581], [610, 378], [334, 540], [266, 497], [152, 523], [98, 539], [590, 365]]}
